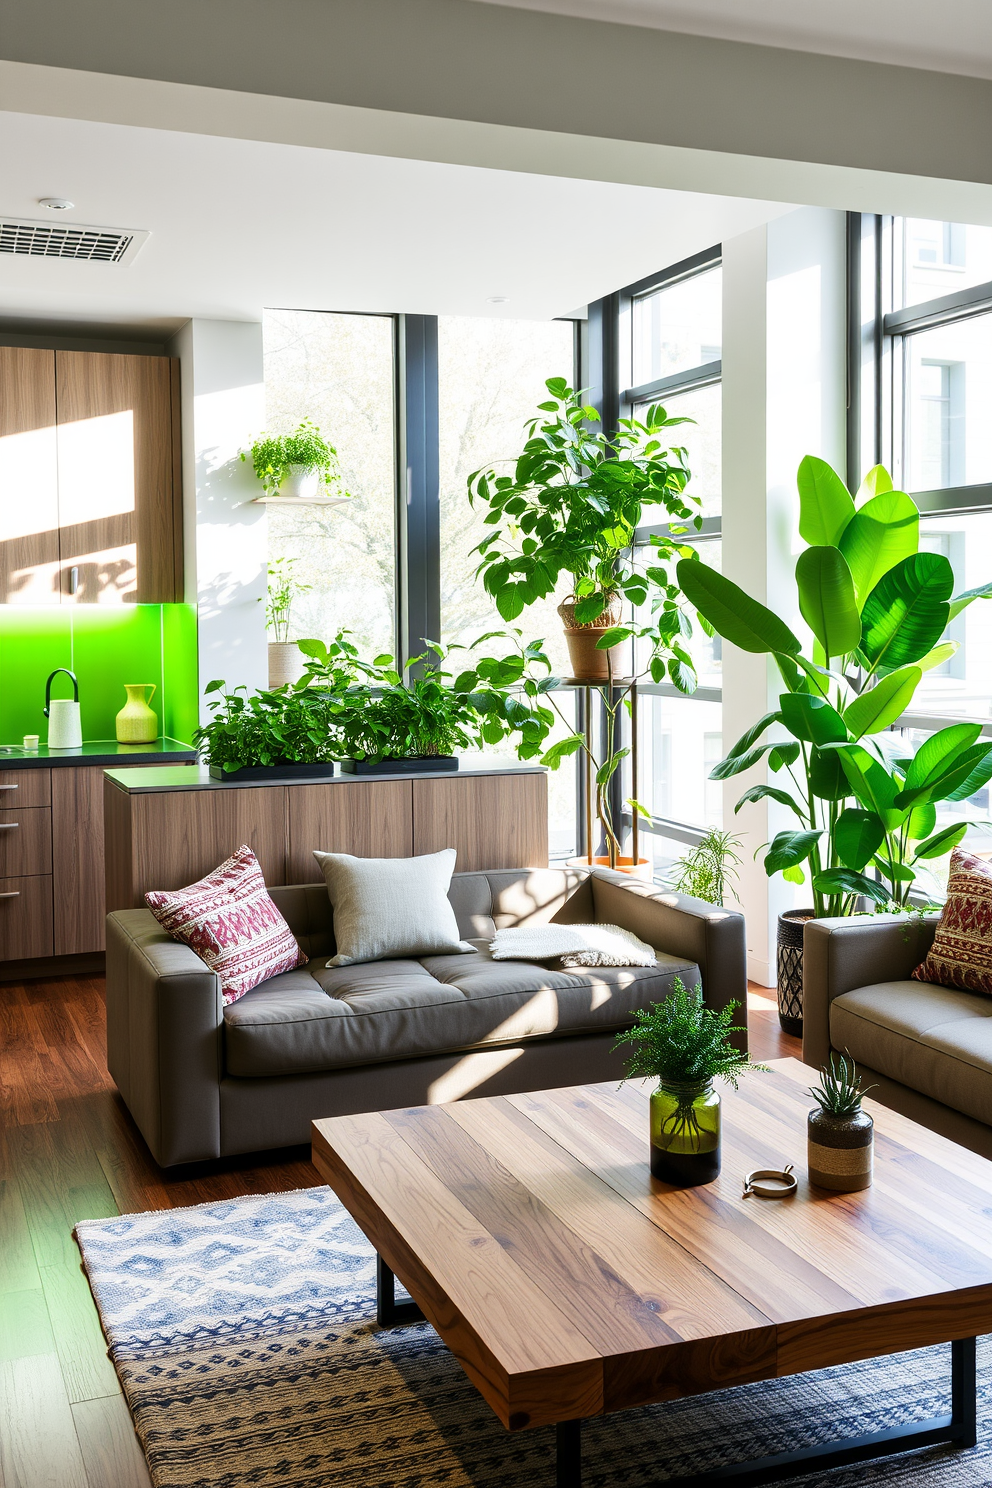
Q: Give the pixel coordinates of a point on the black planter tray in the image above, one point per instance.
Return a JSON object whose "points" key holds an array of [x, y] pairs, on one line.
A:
{"points": [[322, 770], [424, 764]]}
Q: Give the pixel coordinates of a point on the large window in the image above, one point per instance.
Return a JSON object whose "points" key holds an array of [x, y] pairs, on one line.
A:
{"points": [[924, 359], [670, 347], [338, 371]]}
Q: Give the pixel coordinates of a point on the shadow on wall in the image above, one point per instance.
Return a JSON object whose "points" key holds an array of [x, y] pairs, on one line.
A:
{"points": [[232, 564]]}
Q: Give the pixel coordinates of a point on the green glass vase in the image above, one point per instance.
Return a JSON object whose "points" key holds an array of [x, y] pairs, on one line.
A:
{"points": [[685, 1133]]}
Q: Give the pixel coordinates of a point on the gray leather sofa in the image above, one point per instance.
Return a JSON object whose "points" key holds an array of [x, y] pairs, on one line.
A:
{"points": [[204, 1081], [927, 1049]]}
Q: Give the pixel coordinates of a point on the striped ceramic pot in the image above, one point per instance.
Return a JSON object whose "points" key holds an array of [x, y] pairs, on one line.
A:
{"points": [[839, 1150]]}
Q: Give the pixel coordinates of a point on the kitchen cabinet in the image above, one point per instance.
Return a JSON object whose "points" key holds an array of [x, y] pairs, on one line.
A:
{"points": [[90, 487]]}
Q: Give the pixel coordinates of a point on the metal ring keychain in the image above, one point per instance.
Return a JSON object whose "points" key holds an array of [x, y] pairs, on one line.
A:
{"points": [[770, 1183]]}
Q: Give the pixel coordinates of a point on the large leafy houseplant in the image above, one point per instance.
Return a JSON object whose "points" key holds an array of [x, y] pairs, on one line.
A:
{"points": [[878, 609], [572, 506]]}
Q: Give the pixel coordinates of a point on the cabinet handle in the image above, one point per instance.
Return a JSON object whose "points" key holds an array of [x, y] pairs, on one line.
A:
{"points": [[73, 579], [8, 787], [9, 826], [11, 894]]}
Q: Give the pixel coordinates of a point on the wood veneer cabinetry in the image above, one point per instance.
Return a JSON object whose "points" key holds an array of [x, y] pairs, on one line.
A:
{"points": [[165, 838], [90, 486]]}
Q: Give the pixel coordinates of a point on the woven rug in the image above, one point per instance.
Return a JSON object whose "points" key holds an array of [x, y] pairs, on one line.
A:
{"points": [[243, 1334]]}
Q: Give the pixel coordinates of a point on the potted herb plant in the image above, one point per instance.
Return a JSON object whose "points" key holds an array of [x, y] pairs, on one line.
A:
{"points": [[285, 657], [572, 506], [839, 1134], [685, 1046], [282, 732], [878, 609], [709, 870], [297, 464]]}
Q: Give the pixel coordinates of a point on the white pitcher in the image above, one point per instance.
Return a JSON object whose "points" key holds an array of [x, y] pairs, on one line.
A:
{"points": [[64, 727]]}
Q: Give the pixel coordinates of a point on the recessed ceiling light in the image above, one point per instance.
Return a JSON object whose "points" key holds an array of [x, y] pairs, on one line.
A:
{"points": [[497, 299], [55, 203]]}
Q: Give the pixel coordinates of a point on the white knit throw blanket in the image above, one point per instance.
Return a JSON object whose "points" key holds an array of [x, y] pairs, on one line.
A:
{"points": [[576, 945]]}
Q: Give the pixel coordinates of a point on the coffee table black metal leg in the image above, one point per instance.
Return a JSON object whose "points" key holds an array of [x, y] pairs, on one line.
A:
{"points": [[568, 1441], [388, 1312], [960, 1429], [964, 1392]]}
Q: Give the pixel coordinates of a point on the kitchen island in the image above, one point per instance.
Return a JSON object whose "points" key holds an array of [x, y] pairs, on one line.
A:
{"points": [[166, 827]]}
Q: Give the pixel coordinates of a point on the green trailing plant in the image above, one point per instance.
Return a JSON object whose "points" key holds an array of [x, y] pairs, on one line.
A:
{"points": [[686, 1046], [283, 589], [840, 1091], [878, 610], [709, 870], [274, 455], [572, 506]]}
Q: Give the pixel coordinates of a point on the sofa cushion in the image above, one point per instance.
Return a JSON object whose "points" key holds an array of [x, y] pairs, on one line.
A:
{"points": [[961, 953], [382, 1010], [936, 1040]]}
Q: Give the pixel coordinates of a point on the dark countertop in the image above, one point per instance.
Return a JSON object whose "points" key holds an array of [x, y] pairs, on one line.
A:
{"points": [[197, 777], [95, 752]]}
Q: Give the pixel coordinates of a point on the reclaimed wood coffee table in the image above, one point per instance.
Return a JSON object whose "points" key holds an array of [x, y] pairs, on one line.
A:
{"points": [[568, 1283]]}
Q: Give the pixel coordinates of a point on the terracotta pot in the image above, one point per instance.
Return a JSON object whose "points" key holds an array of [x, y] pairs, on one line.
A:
{"points": [[588, 662], [641, 869], [839, 1150], [286, 662]]}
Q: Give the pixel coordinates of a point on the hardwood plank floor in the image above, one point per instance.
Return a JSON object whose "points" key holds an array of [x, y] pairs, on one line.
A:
{"points": [[69, 1151]]}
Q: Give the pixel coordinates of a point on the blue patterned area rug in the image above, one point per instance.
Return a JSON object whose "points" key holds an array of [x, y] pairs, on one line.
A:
{"points": [[244, 1336]]}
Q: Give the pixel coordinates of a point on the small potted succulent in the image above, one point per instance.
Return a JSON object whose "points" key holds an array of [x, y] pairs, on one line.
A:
{"points": [[299, 464], [840, 1135], [685, 1046]]}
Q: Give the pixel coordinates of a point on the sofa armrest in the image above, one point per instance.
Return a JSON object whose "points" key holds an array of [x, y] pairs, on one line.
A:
{"points": [[712, 937], [841, 954], [165, 1021]]}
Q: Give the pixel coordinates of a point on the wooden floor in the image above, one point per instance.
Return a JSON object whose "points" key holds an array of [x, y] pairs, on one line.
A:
{"points": [[69, 1151]]}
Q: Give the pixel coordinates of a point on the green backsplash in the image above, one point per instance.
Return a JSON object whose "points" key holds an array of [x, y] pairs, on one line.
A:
{"points": [[105, 646]]}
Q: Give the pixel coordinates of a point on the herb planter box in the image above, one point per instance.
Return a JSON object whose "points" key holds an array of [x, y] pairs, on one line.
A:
{"points": [[423, 764], [321, 770]]}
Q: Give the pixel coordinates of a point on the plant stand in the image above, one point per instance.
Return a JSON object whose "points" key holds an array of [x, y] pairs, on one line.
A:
{"points": [[588, 688]]}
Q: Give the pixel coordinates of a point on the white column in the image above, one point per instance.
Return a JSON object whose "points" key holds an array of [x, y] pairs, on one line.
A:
{"points": [[223, 409], [784, 396]]}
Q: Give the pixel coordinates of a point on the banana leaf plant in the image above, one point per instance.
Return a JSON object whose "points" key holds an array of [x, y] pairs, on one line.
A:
{"points": [[878, 609]]}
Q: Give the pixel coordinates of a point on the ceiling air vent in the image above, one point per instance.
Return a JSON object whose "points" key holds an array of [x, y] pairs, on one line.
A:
{"points": [[57, 240]]}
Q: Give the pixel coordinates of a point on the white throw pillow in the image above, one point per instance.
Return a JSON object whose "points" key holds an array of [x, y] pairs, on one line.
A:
{"points": [[391, 906]]}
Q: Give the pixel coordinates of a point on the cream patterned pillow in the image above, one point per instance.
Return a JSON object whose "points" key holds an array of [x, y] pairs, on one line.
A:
{"points": [[391, 906]]}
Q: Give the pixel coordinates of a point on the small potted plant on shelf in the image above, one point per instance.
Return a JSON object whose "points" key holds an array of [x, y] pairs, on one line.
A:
{"points": [[709, 870], [285, 657], [573, 505], [301, 464], [865, 807], [685, 1046], [839, 1134]]}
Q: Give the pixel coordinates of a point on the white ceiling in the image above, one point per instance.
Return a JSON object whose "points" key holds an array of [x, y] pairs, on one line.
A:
{"points": [[940, 35], [238, 225]]}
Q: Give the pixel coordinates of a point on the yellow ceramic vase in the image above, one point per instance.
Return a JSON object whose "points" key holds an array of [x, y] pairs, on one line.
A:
{"points": [[136, 722]]}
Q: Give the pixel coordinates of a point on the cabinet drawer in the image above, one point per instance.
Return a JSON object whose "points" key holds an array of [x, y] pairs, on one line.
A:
{"points": [[25, 918], [25, 842], [32, 787]]}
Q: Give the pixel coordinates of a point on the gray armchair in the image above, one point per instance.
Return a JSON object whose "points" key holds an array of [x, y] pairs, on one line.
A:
{"points": [[203, 1080], [927, 1049]]}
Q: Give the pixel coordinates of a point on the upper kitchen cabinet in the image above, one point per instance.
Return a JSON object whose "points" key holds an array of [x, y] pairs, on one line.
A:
{"points": [[119, 497], [90, 490], [29, 491]]}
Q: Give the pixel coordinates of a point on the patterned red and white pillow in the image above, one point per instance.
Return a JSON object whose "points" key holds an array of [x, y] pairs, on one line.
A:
{"points": [[961, 954], [231, 923]]}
